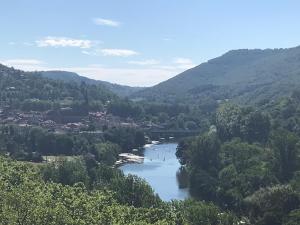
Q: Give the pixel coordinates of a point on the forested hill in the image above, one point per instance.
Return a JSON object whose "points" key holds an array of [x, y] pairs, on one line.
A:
{"points": [[120, 90], [19, 88], [242, 75]]}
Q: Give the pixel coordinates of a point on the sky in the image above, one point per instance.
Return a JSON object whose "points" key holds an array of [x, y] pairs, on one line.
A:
{"points": [[139, 42]]}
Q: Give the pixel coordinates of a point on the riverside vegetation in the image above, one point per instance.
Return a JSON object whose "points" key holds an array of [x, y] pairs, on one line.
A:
{"points": [[242, 168]]}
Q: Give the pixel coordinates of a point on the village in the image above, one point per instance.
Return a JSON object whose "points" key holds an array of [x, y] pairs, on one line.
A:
{"points": [[64, 123]]}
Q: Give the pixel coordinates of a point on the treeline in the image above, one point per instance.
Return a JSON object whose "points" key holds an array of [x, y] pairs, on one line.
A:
{"points": [[248, 162], [27, 91], [127, 108], [30, 91], [31, 143], [169, 116], [43, 196]]}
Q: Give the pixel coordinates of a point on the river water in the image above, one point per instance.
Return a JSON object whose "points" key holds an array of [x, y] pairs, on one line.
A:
{"points": [[160, 169]]}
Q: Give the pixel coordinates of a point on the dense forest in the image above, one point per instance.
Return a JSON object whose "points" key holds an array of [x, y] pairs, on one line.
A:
{"points": [[83, 192], [244, 76], [31, 143], [243, 167], [30, 91], [248, 162]]}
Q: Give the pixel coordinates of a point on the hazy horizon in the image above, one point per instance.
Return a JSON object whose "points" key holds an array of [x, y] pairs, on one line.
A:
{"points": [[154, 42]]}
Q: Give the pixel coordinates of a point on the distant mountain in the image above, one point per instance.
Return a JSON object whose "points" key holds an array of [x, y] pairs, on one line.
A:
{"points": [[19, 89], [247, 76], [120, 90]]}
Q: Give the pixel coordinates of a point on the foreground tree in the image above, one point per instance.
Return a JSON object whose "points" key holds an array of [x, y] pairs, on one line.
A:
{"points": [[270, 206]]}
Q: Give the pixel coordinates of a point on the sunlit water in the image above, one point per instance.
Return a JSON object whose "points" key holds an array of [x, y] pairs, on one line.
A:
{"points": [[159, 170]]}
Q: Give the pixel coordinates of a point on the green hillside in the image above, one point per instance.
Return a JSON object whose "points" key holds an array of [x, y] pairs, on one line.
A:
{"points": [[242, 75], [19, 88], [120, 90]]}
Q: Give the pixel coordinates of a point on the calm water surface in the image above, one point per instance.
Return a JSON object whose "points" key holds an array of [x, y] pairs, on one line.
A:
{"points": [[159, 170]]}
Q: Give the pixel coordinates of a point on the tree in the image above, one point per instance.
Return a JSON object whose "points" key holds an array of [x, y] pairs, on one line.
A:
{"points": [[134, 191], [106, 152], [66, 172], [269, 206], [204, 152], [228, 121], [197, 212], [287, 151], [64, 145], [256, 127], [203, 185], [293, 218], [244, 169]]}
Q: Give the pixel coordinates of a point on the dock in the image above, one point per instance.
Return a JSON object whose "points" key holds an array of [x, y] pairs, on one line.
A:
{"points": [[129, 158]]}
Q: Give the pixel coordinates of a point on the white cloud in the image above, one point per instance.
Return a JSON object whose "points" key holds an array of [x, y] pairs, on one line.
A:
{"points": [[88, 52], [64, 42], [23, 61], [125, 76], [118, 52], [24, 64], [184, 63], [144, 62], [12, 43], [106, 22]]}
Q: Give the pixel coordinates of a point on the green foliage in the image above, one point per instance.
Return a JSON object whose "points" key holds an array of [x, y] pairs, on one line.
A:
{"points": [[244, 76], [269, 206], [125, 108], [134, 191], [196, 213], [234, 121], [26, 199], [227, 174], [256, 127], [66, 172], [29, 143], [37, 105], [31, 91], [202, 184], [65, 76], [287, 151], [293, 218], [25, 143], [106, 153], [244, 169], [228, 120], [164, 110], [126, 138]]}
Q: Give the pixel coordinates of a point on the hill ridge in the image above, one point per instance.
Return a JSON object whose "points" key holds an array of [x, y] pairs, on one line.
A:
{"points": [[237, 74]]}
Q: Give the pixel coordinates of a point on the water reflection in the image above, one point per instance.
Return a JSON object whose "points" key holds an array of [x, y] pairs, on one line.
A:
{"points": [[182, 178], [162, 171]]}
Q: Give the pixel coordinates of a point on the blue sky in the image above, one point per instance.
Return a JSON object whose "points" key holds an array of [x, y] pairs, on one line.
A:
{"points": [[139, 42]]}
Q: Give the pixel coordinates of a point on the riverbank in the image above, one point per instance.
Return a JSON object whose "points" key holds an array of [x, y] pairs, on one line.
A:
{"points": [[128, 158], [133, 158], [160, 168]]}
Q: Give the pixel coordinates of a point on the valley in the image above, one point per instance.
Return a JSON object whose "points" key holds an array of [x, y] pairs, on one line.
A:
{"points": [[228, 133]]}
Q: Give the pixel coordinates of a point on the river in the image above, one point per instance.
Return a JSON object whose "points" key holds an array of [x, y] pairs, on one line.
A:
{"points": [[160, 169]]}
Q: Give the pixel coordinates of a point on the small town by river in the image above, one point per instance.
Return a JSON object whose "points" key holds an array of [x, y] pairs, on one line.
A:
{"points": [[160, 169]]}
